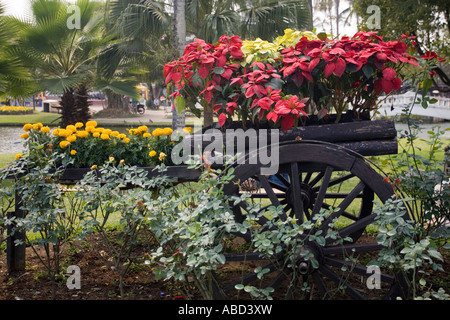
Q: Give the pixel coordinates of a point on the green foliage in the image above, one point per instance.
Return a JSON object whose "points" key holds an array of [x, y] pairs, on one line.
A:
{"points": [[401, 17], [190, 229], [108, 192], [405, 250]]}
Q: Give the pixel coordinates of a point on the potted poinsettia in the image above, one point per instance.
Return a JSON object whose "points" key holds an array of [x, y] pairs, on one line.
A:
{"points": [[282, 83]]}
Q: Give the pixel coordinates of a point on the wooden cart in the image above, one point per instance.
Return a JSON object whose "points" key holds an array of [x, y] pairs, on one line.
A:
{"points": [[320, 167]]}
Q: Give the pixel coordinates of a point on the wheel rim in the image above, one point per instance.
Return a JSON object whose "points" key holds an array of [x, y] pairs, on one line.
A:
{"points": [[317, 172]]}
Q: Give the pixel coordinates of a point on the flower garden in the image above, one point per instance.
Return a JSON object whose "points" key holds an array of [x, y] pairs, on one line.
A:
{"points": [[85, 145], [230, 234], [8, 110]]}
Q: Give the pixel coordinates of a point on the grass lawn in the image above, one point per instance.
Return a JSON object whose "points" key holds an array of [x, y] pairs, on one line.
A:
{"points": [[6, 158], [43, 117]]}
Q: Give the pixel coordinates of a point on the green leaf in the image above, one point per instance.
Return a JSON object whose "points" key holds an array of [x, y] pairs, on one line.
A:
{"points": [[322, 36], [180, 104], [367, 70], [218, 70]]}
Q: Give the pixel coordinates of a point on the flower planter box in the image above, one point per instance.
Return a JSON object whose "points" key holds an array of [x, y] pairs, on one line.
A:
{"points": [[182, 173], [368, 138]]}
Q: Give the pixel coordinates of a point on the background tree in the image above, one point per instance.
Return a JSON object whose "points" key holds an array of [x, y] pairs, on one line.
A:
{"points": [[206, 19], [62, 48], [429, 20], [14, 77]]}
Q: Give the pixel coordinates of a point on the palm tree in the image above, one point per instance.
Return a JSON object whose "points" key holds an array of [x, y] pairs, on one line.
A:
{"points": [[207, 19], [63, 56], [14, 77]]}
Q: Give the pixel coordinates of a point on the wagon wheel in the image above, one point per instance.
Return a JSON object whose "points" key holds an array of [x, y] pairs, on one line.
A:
{"points": [[312, 176]]}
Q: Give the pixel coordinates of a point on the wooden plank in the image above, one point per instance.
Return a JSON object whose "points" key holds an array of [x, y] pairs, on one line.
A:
{"points": [[15, 254], [368, 138], [339, 132], [182, 173]]}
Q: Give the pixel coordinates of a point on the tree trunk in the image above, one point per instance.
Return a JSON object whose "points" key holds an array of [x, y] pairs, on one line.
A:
{"points": [[336, 2], [82, 104], [115, 101], [68, 108], [180, 42]]}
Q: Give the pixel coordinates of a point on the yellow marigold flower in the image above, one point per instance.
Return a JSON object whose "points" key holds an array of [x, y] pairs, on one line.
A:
{"points": [[63, 133], [82, 134], [111, 159], [122, 161], [126, 140], [143, 129], [73, 152], [187, 130], [89, 128], [24, 136], [94, 167], [91, 123], [37, 126], [56, 132], [162, 155], [79, 125], [167, 131], [64, 144], [115, 133], [107, 131], [71, 128], [122, 136], [104, 136], [96, 134], [72, 138], [45, 129], [18, 156], [152, 153], [147, 135], [157, 132], [27, 127]]}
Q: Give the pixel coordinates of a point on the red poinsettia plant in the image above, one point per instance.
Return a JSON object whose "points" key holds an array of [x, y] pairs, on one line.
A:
{"points": [[313, 77]]}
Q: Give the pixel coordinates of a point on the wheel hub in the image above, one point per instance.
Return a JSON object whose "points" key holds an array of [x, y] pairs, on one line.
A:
{"points": [[305, 255], [307, 194]]}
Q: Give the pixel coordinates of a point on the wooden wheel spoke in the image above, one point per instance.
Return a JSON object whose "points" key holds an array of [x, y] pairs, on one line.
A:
{"points": [[269, 191], [343, 214], [307, 177], [337, 181], [283, 179], [343, 205], [356, 226], [358, 269], [341, 282], [277, 186], [316, 179], [334, 195], [239, 257], [322, 191], [297, 193], [351, 247], [250, 277], [280, 278], [321, 285]]}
